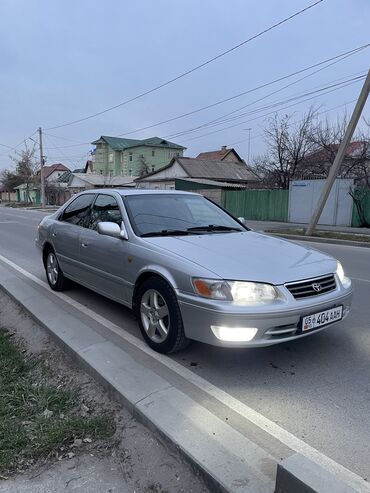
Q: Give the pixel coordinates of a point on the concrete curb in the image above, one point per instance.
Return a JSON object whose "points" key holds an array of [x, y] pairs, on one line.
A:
{"points": [[317, 239], [227, 459], [298, 474]]}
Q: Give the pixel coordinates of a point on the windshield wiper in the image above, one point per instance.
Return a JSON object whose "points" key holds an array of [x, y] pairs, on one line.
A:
{"points": [[167, 232], [214, 227]]}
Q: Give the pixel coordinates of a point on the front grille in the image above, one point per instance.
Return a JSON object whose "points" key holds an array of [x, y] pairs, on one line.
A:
{"points": [[312, 287]]}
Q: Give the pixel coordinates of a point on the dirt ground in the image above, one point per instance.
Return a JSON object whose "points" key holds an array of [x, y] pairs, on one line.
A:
{"points": [[133, 460]]}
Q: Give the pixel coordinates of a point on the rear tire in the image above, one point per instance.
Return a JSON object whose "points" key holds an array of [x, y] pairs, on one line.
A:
{"points": [[54, 273], [159, 316]]}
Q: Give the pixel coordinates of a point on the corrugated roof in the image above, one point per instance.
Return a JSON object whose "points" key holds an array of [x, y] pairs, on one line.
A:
{"points": [[219, 155], [216, 170], [213, 170], [120, 144], [101, 180], [204, 181]]}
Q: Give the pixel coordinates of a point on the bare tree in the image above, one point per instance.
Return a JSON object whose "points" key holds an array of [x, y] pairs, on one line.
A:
{"points": [[27, 169], [288, 144], [356, 164], [144, 166]]}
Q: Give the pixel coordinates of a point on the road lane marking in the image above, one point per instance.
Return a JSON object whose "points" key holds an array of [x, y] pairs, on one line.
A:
{"points": [[265, 424], [359, 279]]}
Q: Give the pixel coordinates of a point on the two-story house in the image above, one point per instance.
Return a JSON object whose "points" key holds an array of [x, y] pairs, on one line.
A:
{"points": [[116, 156]]}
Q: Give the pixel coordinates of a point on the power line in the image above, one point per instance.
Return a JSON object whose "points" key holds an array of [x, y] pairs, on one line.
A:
{"points": [[296, 121], [188, 72], [334, 87], [23, 141], [66, 158], [59, 137], [272, 93], [337, 58], [219, 120], [267, 114], [342, 56]]}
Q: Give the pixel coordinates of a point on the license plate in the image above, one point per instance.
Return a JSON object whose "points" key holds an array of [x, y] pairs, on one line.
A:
{"points": [[322, 318]]}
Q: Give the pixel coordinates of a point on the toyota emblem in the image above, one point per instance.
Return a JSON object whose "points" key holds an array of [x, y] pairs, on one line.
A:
{"points": [[316, 287]]}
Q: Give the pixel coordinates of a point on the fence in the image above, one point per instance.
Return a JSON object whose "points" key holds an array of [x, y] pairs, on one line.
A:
{"points": [[260, 205], [366, 205]]}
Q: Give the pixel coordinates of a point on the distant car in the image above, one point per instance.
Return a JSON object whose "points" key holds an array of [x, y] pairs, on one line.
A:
{"points": [[190, 270]]}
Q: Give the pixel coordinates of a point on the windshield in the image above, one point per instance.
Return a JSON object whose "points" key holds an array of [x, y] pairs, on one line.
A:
{"points": [[156, 214]]}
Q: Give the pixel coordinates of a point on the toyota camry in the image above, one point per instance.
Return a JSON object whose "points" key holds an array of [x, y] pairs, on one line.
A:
{"points": [[191, 271]]}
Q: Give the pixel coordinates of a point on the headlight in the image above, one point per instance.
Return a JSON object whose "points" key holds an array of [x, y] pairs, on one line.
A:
{"points": [[244, 293], [241, 292], [346, 282]]}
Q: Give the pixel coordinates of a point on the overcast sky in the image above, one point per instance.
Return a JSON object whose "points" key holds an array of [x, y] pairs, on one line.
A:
{"points": [[65, 59]]}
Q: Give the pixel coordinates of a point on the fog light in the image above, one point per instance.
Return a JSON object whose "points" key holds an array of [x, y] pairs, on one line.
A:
{"points": [[234, 334]]}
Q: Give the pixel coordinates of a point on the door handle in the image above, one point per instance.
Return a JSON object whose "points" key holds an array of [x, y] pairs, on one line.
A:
{"points": [[53, 235], [84, 245]]}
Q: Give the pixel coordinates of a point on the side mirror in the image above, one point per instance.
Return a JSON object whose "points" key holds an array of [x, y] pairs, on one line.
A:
{"points": [[112, 229]]}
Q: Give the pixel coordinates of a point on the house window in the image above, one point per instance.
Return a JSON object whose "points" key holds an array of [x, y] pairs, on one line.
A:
{"points": [[174, 154], [130, 156], [110, 157], [153, 153], [153, 168]]}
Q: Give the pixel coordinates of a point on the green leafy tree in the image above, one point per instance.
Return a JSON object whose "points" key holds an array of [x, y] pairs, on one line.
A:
{"points": [[10, 180]]}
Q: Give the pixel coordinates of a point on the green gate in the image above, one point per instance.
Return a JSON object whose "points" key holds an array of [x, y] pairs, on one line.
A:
{"points": [[366, 205], [259, 205]]}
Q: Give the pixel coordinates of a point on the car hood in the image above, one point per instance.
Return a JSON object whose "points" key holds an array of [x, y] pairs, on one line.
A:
{"points": [[249, 256]]}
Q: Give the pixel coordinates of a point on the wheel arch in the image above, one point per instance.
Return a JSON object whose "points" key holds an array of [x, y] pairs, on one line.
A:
{"points": [[45, 250], [153, 272]]}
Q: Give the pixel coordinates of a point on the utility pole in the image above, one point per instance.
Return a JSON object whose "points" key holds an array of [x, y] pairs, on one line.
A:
{"points": [[249, 144], [42, 170], [340, 155]]}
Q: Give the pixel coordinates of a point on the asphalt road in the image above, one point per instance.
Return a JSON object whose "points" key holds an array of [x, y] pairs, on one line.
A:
{"points": [[318, 388]]}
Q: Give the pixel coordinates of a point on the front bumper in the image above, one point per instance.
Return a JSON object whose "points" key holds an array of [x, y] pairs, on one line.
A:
{"points": [[275, 324]]}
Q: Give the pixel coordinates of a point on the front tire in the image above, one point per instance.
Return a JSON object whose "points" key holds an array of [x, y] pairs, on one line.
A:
{"points": [[159, 316], [54, 274]]}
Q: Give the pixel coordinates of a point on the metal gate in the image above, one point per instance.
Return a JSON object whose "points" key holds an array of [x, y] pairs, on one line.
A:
{"points": [[304, 195]]}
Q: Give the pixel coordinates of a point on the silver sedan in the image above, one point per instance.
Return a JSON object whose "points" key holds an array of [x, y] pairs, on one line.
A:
{"points": [[190, 270]]}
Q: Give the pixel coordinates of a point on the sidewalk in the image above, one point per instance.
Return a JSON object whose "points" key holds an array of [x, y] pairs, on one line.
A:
{"points": [[231, 446], [133, 460], [270, 225]]}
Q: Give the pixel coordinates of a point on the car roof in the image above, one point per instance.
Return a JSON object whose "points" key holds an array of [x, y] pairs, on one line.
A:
{"points": [[137, 191]]}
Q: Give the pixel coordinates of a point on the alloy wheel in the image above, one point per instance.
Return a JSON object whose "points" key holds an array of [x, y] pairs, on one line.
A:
{"points": [[52, 268], [154, 315]]}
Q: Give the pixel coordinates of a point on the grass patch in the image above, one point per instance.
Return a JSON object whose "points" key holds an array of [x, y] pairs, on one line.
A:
{"points": [[37, 417], [323, 234]]}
